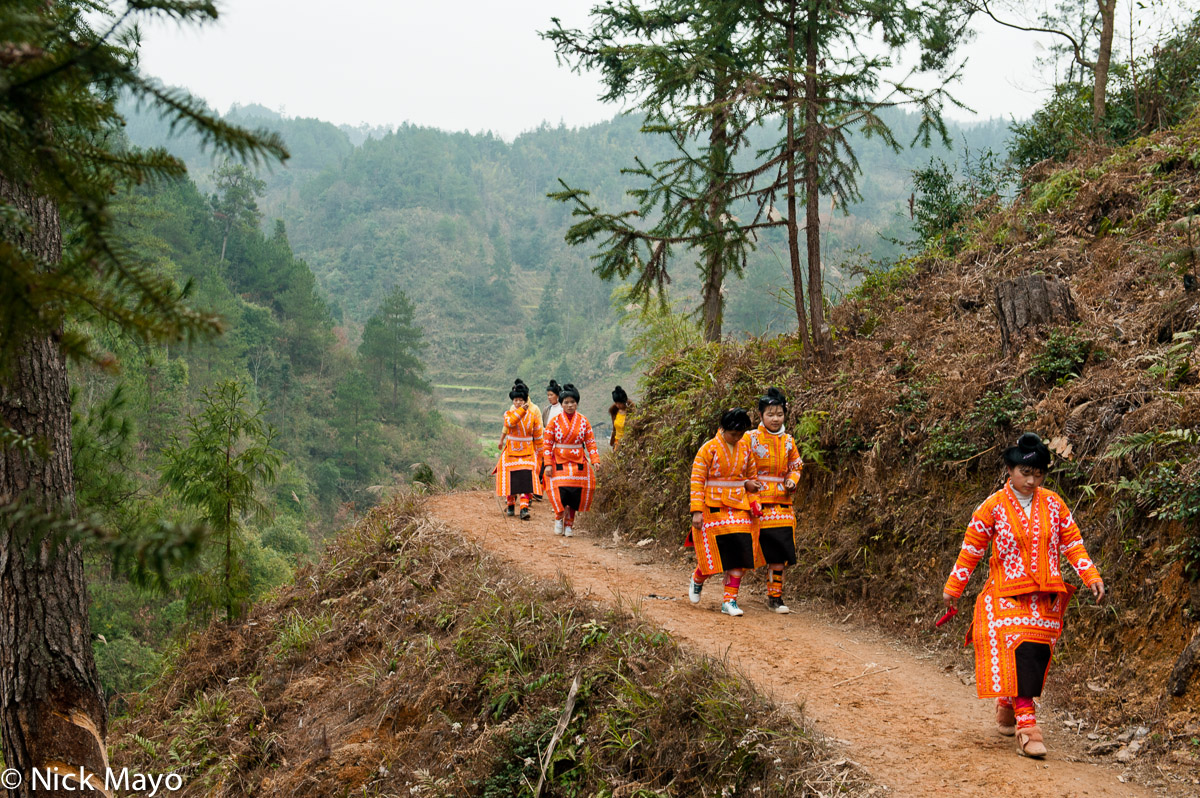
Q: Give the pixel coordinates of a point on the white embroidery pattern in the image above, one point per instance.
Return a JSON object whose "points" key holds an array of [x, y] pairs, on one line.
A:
{"points": [[1055, 525], [960, 573], [1006, 546], [994, 649]]}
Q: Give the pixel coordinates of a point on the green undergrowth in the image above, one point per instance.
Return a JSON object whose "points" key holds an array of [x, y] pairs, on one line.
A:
{"points": [[408, 663]]}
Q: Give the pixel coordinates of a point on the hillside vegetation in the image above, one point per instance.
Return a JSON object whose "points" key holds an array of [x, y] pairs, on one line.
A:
{"points": [[903, 427], [410, 663], [462, 223]]}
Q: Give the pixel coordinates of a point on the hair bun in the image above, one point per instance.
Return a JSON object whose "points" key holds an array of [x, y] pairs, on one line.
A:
{"points": [[1029, 442]]}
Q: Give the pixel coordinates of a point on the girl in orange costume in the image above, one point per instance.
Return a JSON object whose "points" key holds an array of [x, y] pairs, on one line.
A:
{"points": [[570, 457], [1019, 614], [723, 526], [516, 474], [777, 467]]}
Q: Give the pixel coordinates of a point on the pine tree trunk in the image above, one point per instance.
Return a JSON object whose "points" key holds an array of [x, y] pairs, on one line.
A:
{"points": [[793, 228], [812, 189], [52, 712], [1108, 12], [713, 304]]}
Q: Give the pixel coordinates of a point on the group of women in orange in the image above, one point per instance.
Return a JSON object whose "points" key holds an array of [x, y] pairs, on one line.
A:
{"points": [[743, 482], [742, 485], [741, 502], [559, 457]]}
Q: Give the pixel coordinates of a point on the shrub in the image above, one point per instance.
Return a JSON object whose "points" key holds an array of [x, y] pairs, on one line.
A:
{"points": [[1061, 358]]}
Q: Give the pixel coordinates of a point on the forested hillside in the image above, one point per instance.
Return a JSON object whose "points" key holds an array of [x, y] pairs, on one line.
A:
{"points": [[462, 224], [330, 424]]}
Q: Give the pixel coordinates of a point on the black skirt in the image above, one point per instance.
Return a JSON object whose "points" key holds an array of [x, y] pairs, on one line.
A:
{"points": [[520, 482], [778, 545]]}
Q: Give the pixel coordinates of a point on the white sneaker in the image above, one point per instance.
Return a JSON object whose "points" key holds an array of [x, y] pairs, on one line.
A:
{"points": [[567, 532], [558, 526], [694, 589], [731, 608]]}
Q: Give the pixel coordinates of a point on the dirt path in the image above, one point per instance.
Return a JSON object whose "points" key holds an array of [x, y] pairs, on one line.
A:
{"points": [[915, 728]]}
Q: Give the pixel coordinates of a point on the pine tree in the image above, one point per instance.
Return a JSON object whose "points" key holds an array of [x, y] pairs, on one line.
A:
{"points": [[220, 467], [813, 70], [678, 61], [236, 202], [392, 341], [64, 64]]}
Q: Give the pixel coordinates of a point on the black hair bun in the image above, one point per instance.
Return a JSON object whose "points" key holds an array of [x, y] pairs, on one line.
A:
{"points": [[773, 396], [619, 395], [1029, 442], [735, 419]]}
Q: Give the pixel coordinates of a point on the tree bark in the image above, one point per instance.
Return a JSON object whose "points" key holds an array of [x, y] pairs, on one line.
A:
{"points": [[793, 228], [52, 712], [1181, 674], [812, 187], [1108, 12], [1028, 301], [713, 305]]}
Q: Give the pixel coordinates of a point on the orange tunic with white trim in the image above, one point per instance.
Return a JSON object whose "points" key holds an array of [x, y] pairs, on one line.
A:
{"points": [[1025, 597], [718, 491], [570, 450], [519, 450], [776, 461]]}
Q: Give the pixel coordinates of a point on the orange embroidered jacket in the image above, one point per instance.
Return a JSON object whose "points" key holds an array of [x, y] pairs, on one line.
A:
{"points": [[570, 440], [522, 432], [776, 460], [719, 473], [1026, 550]]}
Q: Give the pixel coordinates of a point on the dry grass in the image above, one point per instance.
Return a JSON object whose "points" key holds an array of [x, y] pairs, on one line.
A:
{"points": [[408, 663]]}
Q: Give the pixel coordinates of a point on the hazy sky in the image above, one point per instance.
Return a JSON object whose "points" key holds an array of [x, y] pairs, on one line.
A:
{"points": [[471, 65]]}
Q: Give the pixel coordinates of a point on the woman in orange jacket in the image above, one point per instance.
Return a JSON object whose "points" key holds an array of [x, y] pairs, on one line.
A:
{"points": [[723, 526], [1019, 613]]}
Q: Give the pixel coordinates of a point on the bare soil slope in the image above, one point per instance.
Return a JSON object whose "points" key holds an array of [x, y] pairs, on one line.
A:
{"points": [[907, 718]]}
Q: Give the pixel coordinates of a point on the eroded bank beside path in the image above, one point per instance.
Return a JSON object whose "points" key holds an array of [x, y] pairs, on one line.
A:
{"points": [[916, 729]]}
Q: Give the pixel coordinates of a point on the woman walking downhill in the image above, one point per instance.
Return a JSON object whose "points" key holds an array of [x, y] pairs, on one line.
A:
{"points": [[777, 467], [1019, 613], [516, 473], [569, 455], [723, 524]]}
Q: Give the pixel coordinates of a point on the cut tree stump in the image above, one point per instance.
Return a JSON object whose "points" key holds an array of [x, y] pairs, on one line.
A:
{"points": [[1031, 300], [1181, 674]]}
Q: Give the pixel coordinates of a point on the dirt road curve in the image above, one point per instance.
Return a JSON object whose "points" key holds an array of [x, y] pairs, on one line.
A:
{"points": [[916, 729]]}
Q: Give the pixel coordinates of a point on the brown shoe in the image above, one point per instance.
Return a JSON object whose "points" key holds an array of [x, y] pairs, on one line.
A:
{"points": [[1029, 742], [1006, 719]]}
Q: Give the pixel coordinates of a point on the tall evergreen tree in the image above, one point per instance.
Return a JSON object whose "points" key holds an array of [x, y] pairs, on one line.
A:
{"points": [[218, 469], [236, 202], [392, 341], [62, 75], [678, 60], [814, 70]]}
